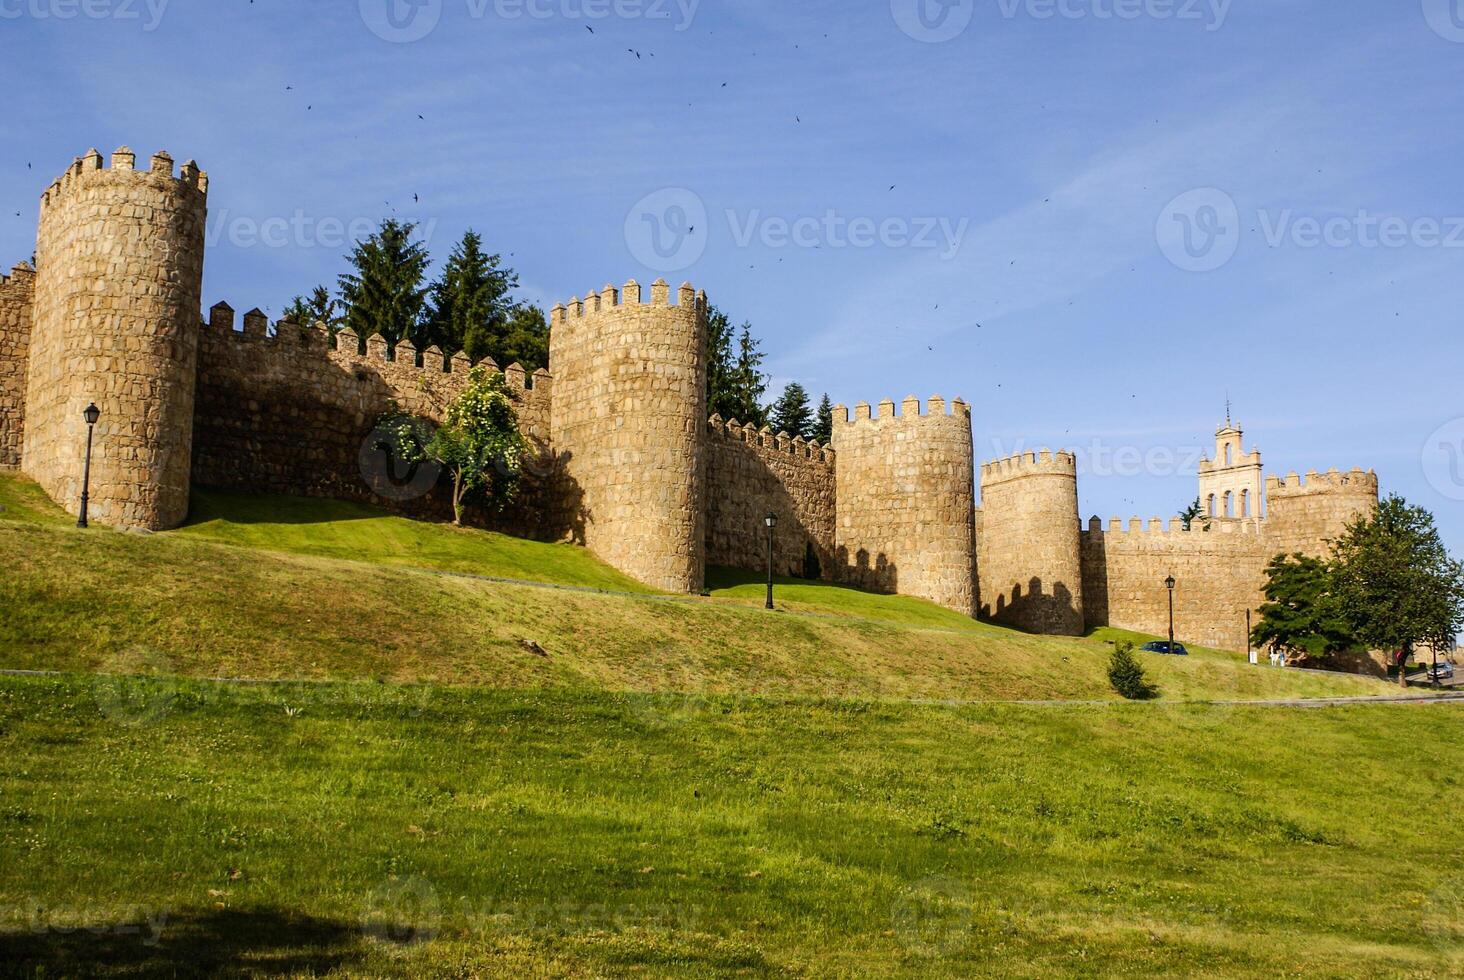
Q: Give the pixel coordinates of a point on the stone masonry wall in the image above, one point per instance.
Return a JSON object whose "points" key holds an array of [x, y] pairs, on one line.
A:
{"points": [[1304, 515], [751, 474], [1219, 574], [120, 268], [289, 413], [17, 293], [905, 513], [1027, 543], [628, 426]]}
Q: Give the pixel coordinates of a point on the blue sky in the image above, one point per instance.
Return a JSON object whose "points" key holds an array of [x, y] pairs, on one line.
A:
{"points": [[1040, 181]]}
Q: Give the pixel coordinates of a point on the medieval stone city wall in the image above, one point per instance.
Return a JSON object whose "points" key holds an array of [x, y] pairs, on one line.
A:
{"points": [[752, 473], [1305, 515], [17, 293], [292, 411], [1027, 543], [1219, 575], [628, 424], [905, 507], [120, 268]]}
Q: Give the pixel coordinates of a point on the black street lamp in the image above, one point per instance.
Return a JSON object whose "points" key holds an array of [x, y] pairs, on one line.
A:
{"points": [[772, 522], [1170, 583], [91, 414]]}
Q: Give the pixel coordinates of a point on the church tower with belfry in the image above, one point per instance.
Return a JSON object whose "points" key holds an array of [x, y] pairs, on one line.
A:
{"points": [[1231, 482]]}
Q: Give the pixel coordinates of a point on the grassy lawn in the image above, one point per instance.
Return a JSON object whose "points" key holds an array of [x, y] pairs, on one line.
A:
{"points": [[183, 602], [338, 529], [367, 830]]}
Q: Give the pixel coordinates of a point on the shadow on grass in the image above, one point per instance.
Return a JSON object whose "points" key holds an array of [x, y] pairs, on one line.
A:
{"points": [[206, 505], [223, 943]]}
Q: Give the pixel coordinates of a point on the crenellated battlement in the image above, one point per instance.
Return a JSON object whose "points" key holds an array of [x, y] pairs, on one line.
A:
{"points": [[88, 168], [1358, 481], [910, 409], [21, 277], [345, 347], [1042, 463], [764, 438], [630, 295], [1171, 525]]}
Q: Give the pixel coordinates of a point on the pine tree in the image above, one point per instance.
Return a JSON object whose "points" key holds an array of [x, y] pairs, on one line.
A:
{"points": [[790, 412], [1127, 676], [823, 422], [319, 308], [722, 397], [385, 294], [470, 302], [525, 339], [750, 384]]}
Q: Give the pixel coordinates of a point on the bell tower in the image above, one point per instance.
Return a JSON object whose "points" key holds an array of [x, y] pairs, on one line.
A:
{"points": [[1231, 482]]}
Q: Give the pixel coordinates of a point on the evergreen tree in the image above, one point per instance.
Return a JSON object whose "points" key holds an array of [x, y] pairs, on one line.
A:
{"points": [[319, 308], [1127, 676], [722, 396], [1300, 613], [1396, 583], [525, 338], [790, 412], [823, 422], [385, 294], [470, 302], [750, 384], [1195, 512]]}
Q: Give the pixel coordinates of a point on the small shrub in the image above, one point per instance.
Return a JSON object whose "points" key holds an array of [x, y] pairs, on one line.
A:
{"points": [[1127, 675]]}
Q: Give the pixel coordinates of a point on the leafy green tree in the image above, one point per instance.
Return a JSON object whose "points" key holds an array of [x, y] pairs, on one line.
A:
{"points": [[1300, 613], [823, 421], [320, 307], [749, 383], [479, 442], [791, 413], [1195, 512], [722, 396], [1396, 583], [470, 302], [1127, 675], [385, 294], [525, 338]]}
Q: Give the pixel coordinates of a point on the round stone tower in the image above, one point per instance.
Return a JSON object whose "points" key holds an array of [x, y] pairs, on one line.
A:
{"points": [[1028, 544], [120, 272], [628, 422], [903, 518]]}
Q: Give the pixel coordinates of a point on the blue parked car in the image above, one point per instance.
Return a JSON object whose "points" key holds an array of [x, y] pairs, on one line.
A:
{"points": [[1162, 646]]}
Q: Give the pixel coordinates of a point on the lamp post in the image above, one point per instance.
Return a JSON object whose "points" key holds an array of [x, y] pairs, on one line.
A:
{"points": [[1170, 583], [91, 414], [772, 522]]}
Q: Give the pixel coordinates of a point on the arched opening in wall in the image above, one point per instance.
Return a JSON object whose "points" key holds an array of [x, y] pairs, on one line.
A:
{"points": [[1229, 454], [1210, 505], [1229, 504], [1245, 504]]}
